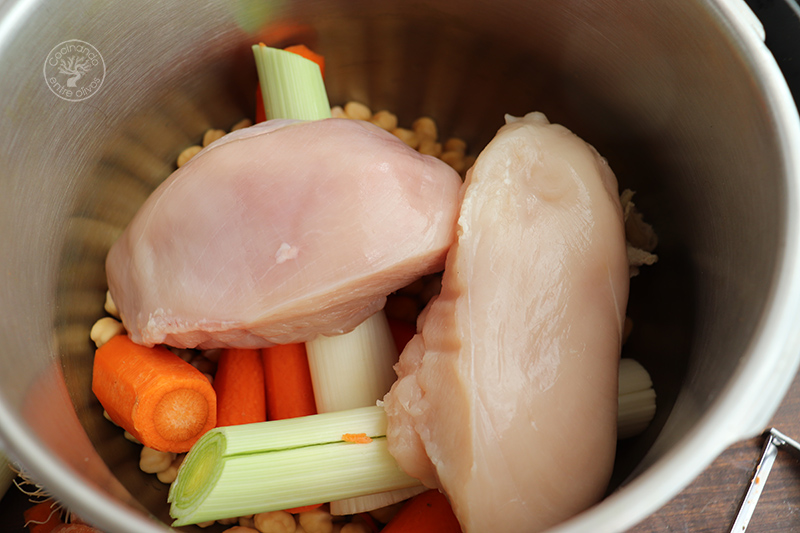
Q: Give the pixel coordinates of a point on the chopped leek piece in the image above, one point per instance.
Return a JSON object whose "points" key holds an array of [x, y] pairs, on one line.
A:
{"points": [[637, 399], [291, 85], [355, 369], [269, 466], [352, 370]]}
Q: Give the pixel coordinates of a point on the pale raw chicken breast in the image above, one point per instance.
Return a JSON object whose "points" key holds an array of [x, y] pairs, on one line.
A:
{"points": [[507, 397], [279, 232]]}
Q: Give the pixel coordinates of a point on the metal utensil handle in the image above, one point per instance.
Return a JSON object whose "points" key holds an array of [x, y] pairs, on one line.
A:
{"points": [[775, 440]]}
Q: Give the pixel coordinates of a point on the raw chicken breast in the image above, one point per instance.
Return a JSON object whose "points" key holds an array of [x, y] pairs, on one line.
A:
{"points": [[507, 398], [279, 232]]}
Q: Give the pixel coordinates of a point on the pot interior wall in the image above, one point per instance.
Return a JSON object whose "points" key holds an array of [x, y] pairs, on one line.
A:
{"points": [[648, 85]]}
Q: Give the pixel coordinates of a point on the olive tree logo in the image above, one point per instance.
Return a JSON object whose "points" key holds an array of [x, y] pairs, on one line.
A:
{"points": [[74, 70]]}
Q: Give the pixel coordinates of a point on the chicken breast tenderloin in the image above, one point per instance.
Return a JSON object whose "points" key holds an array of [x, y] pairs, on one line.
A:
{"points": [[507, 396], [279, 232]]}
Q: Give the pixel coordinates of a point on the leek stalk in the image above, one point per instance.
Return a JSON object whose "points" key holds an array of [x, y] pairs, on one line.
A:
{"points": [[291, 86], [352, 370], [269, 466], [637, 399]]}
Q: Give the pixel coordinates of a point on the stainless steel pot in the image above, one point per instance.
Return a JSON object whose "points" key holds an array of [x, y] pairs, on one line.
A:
{"points": [[683, 98]]}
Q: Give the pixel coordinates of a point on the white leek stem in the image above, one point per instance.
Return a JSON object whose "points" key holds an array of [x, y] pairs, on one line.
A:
{"points": [[637, 399], [355, 370], [269, 466]]}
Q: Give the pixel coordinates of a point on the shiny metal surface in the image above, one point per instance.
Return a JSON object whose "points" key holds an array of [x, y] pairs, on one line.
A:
{"points": [[681, 97]]}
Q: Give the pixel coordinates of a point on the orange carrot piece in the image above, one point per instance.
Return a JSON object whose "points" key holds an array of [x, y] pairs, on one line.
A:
{"points": [[239, 383], [402, 332], [303, 51], [427, 512], [76, 528], [304, 509], [43, 517], [288, 379], [159, 398], [261, 115]]}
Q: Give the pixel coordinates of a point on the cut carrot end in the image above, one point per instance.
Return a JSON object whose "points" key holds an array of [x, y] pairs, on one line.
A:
{"points": [[43, 517], [180, 414], [160, 399]]}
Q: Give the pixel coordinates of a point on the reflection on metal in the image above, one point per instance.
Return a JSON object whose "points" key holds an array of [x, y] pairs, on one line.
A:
{"points": [[775, 440]]}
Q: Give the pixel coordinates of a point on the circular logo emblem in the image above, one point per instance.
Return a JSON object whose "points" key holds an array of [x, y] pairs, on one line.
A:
{"points": [[74, 70]]}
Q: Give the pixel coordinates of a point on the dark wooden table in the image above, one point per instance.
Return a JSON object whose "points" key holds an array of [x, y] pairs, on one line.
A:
{"points": [[708, 504]]}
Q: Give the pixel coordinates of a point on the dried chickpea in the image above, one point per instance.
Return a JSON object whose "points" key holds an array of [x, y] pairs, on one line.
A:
{"points": [[454, 159], [454, 144], [228, 521], [213, 354], [110, 306], [244, 123], [131, 438], [247, 521], [385, 514], [187, 154], [168, 476], [355, 527], [317, 521], [205, 524], [407, 136], [212, 135], [338, 112], [357, 110], [104, 329], [425, 128], [275, 522], [184, 353], [153, 461], [430, 147], [241, 529], [204, 365], [385, 120]]}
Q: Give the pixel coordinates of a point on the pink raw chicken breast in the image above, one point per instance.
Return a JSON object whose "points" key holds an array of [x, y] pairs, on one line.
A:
{"points": [[507, 398], [280, 232]]}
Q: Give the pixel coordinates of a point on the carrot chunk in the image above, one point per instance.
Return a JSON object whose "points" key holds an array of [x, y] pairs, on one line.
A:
{"points": [[427, 512], [289, 390], [160, 399], [241, 397], [303, 51], [402, 332], [43, 517]]}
